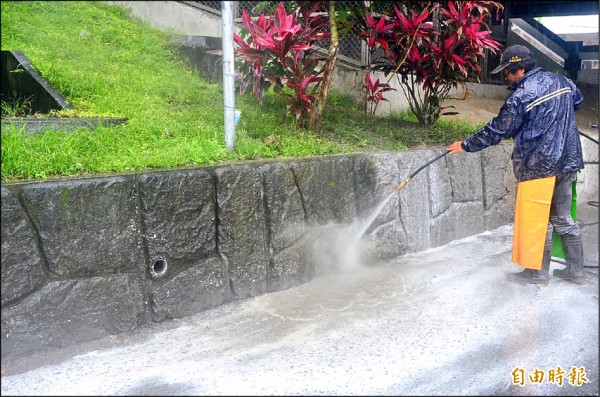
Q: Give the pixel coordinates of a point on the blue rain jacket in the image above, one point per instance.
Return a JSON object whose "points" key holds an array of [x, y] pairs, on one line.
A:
{"points": [[540, 117]]}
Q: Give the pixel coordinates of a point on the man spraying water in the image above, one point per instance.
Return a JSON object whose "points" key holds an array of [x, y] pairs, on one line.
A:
{"points": [[539, 116]]}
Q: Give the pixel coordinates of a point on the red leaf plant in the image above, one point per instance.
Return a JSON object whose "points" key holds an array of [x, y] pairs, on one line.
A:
{"points": [[431, 47], [374, 91], [279, 51]]}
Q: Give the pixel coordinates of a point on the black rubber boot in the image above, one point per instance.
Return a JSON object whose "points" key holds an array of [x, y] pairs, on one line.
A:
{"points": [[573, 247], [530, 276], [538, 277]]}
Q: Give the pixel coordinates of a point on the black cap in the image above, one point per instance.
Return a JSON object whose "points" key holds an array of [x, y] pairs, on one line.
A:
{"points": [[514, 53]]}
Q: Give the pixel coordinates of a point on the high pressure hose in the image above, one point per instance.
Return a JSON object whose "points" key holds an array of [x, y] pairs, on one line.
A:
{"points": [[402, 184], [589, 137]]}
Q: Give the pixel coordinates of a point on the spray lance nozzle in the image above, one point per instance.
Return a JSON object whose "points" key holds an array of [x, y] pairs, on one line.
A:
{"points": [[403, 184]]}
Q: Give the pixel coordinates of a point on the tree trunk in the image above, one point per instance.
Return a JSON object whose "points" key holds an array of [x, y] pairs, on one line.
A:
{"points": [[317, 112]]}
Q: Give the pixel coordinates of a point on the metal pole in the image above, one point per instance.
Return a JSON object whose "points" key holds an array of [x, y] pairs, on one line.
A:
{"points": [[228, 74]]}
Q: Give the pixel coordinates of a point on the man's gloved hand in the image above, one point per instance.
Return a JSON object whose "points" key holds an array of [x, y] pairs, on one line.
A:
{"points": [[456, 148]]}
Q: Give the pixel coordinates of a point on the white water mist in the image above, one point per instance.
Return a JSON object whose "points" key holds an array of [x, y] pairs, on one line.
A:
{"points": [[372, 217]]}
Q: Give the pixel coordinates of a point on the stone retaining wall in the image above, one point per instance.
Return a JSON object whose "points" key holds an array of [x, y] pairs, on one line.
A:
{"points": [[86, 258]]}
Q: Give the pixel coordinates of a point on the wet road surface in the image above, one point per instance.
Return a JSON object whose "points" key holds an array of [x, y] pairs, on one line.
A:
{"points": [[440, 322]]}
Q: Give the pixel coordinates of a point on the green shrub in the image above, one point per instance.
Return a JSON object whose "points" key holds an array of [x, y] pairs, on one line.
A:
{"points": [[110, 65]]}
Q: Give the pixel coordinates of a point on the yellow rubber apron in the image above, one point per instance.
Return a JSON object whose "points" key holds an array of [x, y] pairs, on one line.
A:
{"points": [[532, 213]]}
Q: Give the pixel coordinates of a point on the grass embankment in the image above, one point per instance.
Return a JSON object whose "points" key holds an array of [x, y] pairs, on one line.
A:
{"points": [[110, 65]]}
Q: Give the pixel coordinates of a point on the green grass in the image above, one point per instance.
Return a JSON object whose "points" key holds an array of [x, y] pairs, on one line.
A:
{"points": [[108, 64]]}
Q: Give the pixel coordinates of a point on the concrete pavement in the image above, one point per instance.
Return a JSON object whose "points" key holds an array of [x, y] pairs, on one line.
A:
{"points": [[440, 322]]}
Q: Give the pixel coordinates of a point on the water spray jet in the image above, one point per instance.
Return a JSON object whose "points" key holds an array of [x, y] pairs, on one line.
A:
{"points": [[401, 186]]}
